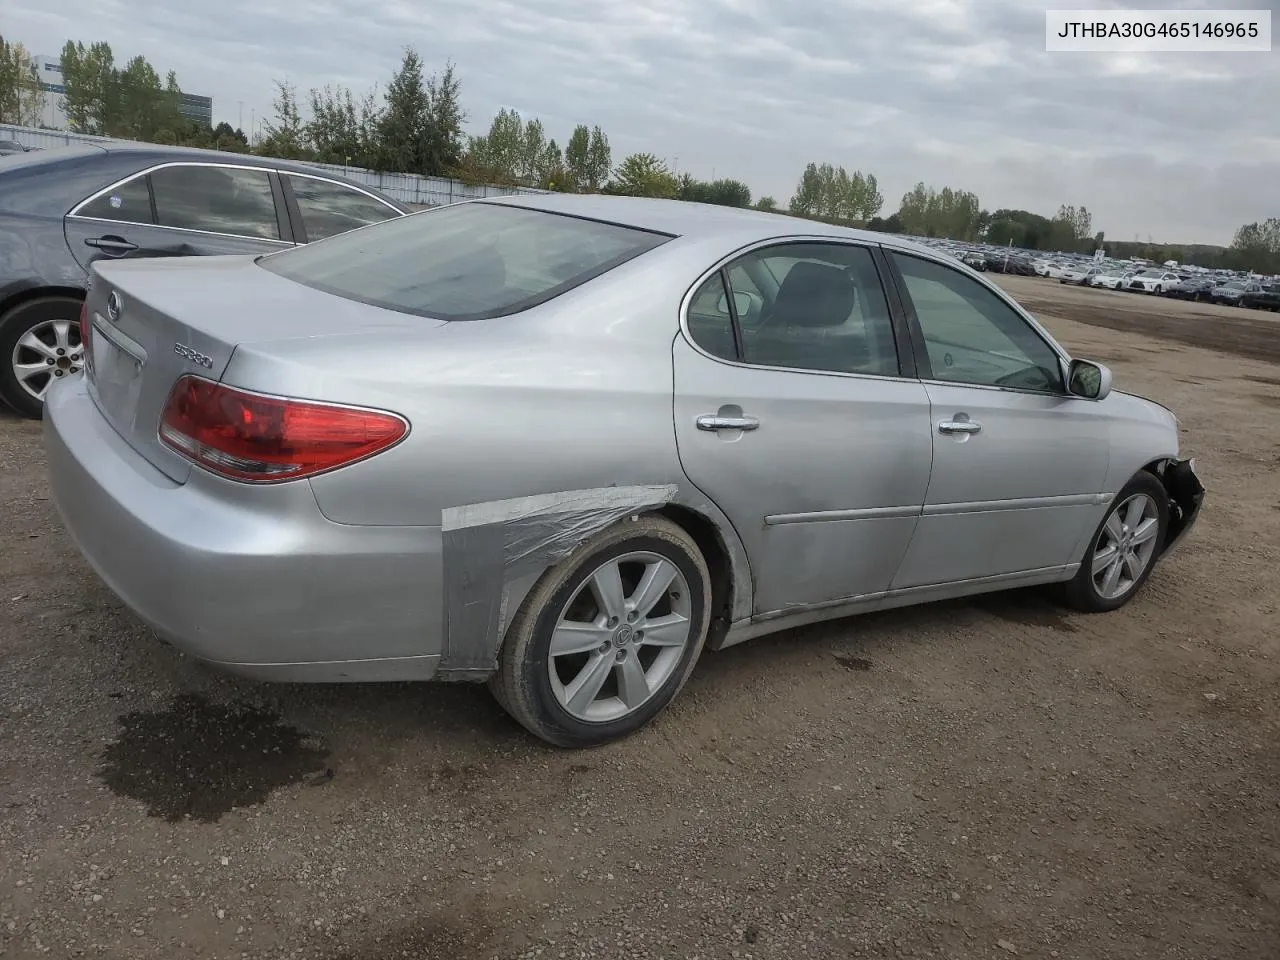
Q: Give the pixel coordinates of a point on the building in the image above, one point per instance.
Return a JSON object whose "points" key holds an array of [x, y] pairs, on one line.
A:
{"points": [[49, 71]]}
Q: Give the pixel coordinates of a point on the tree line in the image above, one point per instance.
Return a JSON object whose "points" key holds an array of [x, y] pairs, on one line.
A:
{"points": [[416, 125]]}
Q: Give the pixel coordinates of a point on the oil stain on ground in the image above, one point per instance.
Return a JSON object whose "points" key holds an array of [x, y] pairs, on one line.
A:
{"points": [[198, 760], [1028, 608]]}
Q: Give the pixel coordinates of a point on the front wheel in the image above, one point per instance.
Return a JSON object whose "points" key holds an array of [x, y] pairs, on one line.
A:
{"points": [[39, 345], [1124, 549], [606, 639]]}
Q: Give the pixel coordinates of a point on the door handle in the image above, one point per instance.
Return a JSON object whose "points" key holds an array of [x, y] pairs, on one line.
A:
{"points": [[110, 244], [712, 422], [959, 426]]}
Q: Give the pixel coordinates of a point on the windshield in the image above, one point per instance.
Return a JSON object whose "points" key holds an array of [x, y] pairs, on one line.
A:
{"points": [[470, 261]]}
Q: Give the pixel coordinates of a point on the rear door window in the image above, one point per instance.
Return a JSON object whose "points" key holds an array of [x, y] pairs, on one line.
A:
{"points": [[129, 202], [329, 208], [468, 261], [230, 200]]}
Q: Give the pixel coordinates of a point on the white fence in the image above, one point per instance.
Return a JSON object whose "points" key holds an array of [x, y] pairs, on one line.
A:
{"points": [[405, 187]]}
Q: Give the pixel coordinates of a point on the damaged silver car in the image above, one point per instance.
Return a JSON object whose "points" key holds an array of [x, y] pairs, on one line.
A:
{"points": [[563, 443]]}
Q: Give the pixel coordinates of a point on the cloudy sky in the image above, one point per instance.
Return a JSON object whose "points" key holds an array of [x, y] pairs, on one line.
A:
{"points": [[1181, 147]]}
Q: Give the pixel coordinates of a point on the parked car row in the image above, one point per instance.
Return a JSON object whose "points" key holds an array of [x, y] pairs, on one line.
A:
{"points": [[64, 209]]}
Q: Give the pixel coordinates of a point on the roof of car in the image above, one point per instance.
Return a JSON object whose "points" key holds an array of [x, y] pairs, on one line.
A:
{"points": [[685, 219], [160, 151]]}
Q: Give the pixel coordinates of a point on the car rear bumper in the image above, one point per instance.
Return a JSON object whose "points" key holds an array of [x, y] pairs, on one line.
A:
{"points": [[254, 579]]}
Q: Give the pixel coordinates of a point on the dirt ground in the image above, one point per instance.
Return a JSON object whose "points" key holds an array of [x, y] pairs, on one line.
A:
{"points": [[977, 779]]}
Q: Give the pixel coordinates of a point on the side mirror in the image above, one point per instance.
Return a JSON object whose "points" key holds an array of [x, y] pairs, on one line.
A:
{"points": [[744, 301], [1089, 380]]}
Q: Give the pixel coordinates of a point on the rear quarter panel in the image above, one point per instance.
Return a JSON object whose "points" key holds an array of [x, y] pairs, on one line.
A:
{"points": [[572, 395]]}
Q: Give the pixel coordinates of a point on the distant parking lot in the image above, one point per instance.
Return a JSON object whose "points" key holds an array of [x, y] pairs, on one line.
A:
{"points": [[991, 778]]}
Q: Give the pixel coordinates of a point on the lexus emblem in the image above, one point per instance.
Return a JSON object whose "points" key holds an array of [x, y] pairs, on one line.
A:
{"points": [[113, 307]]}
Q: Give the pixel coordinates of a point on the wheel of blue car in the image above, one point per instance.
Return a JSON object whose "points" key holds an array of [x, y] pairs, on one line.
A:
{"points": [[39, 345], [607, 638], [1124, 549]]}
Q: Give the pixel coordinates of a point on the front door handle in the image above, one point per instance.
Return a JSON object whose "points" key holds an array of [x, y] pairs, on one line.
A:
{"points": [[712, 422], [110, 244], [959, 426]]}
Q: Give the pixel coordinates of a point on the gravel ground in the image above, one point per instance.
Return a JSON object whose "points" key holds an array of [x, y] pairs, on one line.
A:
{"points": [[992, 778]]}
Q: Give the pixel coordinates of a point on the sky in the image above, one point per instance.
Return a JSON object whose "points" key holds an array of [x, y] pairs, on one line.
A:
{"points": [[1176, 147]]}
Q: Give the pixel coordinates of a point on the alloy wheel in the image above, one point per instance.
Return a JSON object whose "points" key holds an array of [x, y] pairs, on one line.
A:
{"points": [[620, 637], [49, 351], [1126, 546]]}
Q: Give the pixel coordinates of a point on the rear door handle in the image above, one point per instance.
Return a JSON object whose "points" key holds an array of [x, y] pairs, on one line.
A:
{"points": [[959, 426], [110, 244], [712, 422]]}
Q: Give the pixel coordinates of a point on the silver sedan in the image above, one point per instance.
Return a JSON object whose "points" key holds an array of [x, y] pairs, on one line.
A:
{"points": [[561, 444]]}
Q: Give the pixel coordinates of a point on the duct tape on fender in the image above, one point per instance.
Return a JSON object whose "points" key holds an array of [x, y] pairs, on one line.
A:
{"points": [[487, 546]]}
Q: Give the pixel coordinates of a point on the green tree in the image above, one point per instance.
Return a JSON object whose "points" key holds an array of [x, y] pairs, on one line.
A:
{"points": [[334, 130], [643, 175], [926, 212], [577, 155], [728, 193], [599, 161], [551, 172], [89, 87], [767, 204], [284, 137], [533, 145], [831, 193], [1256, 247], [1071, 229], [403, 126], [498, 154], [226, 137], [442, 140], [21, 98]]}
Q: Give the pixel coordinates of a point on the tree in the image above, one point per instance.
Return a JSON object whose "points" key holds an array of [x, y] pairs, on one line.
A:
{"points": [[1256, 246], [498, 155], [889, 224], [643, 175], [334, 130], [577, 155], [832, 193], [551, 173], [599, 161], [226, 137], [768, 204], [927, 212], [22, 99], [1071, 228], [89, 87], [533, 144], [403, 126], [442, 141], [728, 193], [286, 136]]}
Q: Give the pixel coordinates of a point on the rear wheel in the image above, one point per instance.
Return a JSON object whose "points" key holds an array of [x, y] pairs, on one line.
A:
{"points": [[39, 345], [608, 637], [1124, 549]]}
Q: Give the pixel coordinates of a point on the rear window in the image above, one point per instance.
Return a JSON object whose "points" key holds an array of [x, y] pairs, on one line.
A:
{"points": [[469, 261]]}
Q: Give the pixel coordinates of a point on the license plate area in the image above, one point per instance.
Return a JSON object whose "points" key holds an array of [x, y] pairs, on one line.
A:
{"points": [[118, 362]]}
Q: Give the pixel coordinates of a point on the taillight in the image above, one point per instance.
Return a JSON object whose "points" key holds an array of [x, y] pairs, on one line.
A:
{"points": [[265, 439]]}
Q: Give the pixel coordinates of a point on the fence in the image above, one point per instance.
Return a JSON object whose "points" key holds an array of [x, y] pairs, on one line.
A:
{"points": [[405, 187]]}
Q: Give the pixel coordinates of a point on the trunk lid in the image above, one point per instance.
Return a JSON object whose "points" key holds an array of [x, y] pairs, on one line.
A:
{"points": [[155, 320]]}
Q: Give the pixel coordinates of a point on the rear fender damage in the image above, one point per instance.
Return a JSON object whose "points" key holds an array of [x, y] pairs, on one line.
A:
{"points": [[1186, 496]]}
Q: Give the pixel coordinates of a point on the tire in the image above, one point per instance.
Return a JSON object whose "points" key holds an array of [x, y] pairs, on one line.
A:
{"points": [[1084, 592], [41, 317], [524, 683]]}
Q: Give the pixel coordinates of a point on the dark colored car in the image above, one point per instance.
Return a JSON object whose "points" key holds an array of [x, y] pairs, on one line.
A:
{"points": [[1192, 288], [62, 209], [11, 146], [1228, 294], [975, 259], [1261, 296]]}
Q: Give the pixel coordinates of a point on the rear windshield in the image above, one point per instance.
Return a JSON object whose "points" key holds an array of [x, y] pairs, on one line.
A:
{"points": [[469, 261]]}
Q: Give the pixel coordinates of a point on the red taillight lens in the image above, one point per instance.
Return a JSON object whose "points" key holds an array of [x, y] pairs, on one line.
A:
{"points": [[261, 439]]}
